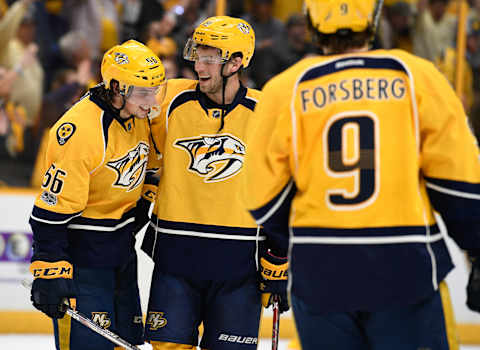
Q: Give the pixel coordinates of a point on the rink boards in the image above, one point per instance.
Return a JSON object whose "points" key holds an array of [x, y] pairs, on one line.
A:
{"points": [[18, 316]]}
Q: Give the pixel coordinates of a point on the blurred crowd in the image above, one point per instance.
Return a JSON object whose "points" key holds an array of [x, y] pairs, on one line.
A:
{"points": [[50, 52]]}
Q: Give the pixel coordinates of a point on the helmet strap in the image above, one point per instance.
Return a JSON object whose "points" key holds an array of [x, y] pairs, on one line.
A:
{"points": [[224, 86]]}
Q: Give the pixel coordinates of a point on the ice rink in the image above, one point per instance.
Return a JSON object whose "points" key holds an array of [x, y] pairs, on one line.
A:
{"points": [[45, 342]]}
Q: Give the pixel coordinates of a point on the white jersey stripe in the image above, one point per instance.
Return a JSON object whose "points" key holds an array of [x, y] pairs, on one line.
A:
{"points": [[367, 240], [453, 192], [277, 205], [206, 235], [51, 222], [100, 228]]}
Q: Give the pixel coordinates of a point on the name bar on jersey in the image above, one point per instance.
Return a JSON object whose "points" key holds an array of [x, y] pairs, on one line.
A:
{"points": [[352, 63]]}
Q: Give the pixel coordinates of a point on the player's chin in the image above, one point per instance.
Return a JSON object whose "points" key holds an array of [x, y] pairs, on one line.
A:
{"points": [[142, 113]]}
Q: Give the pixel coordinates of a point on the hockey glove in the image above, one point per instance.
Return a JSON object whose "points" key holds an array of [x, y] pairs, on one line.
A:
{"points": [[141, 214], [273, 279], [53, 285], [473, 287]]}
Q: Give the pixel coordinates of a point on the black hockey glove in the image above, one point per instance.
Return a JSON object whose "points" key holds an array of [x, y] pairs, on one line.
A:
{"points": [[473, 287], [141, 214], [273, 279], [53, 285]]}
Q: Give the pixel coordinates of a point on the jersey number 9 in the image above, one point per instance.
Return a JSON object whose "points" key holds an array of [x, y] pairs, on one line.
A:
{"points": [[351, 151]]}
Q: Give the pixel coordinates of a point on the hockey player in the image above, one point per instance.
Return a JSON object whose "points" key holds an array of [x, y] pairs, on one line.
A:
{"points": [[201, 238], [84, 219], [359, 148]]}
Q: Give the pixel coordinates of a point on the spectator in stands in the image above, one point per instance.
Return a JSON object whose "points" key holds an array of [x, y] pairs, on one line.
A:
{"points": [[75, 48], [67, 87], [13, 119], [268, 30], [473, 49], [287, 52], [435, 29], [17, 33], [130, 16], [86, 17], [397, 26], [158, 37], [194, 13], [171, 67]]}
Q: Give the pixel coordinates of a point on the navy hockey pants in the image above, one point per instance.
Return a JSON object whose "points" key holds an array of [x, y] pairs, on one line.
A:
{"points": [[110, 297], [426, 325], [230, 312]]}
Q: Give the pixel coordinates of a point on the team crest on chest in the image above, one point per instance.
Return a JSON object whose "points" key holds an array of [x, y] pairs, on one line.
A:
{"points": [[214, 157], [131, 167]]}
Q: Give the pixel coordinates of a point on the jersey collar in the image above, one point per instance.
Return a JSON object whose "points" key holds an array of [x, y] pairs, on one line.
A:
{"points": [[207, 103], [127, 124]]}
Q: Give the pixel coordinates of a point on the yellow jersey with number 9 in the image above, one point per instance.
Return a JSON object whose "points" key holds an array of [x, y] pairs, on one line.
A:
{"points": [[354, 152]]}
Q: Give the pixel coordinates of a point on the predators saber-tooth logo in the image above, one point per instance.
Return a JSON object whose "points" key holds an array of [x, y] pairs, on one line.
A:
{"points": [[214, 157], [101, 318], [131, 167], [156, 320]]}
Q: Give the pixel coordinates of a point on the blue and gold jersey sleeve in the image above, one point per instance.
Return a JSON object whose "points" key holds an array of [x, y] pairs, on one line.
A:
{"points": [[450, 159], [74, 152], [269, 185]]}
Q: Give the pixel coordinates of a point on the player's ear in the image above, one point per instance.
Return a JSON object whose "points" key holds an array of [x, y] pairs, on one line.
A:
{"points": [[115, 87], [236, 64]]}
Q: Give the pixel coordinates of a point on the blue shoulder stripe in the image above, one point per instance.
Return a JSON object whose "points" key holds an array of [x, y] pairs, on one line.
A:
{"points": [[459, 205], [248, 102], [353, 63], [189, 95], [280, 203], [454, 188], [50, 217], [274, 217]]}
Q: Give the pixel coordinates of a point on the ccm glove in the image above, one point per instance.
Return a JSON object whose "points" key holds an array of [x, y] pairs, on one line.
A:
{"points": [[273, 279], [52, 287], [473, 287]]}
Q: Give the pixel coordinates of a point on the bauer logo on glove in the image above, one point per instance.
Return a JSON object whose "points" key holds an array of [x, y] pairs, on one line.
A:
{"points": [[271, 271]]}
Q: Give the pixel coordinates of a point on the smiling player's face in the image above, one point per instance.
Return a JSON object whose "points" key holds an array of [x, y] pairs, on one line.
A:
{"points": [[208, 66], [140, 100]]}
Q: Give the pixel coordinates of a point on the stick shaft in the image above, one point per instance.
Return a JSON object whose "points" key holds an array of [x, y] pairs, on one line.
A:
{"points": [[276, 322], [77, 316]]}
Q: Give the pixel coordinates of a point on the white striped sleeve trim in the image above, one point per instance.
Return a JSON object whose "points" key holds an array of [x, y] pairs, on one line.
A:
{"points": [[453, 192], [54, 222], [209, 235], [367, 240], [277, 205], [100, 228]]}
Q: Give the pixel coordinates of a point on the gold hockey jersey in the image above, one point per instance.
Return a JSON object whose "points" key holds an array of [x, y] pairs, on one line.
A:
{"points": [[353, 153], [96, 164], [201, 226]]}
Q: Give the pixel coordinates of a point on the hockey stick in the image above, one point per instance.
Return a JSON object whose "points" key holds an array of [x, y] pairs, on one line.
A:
{"points": [[77, 316], [376, 13], [276, 321]]}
